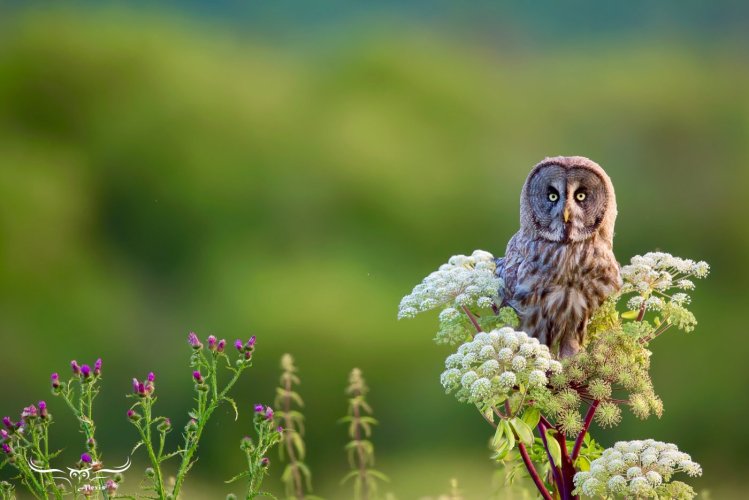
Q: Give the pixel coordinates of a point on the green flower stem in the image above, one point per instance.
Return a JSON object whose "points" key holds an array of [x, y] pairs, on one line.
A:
{"points": [[205, 409], [360, 451], [145, 435], [289, 426], [84, 414], [253, 461]]}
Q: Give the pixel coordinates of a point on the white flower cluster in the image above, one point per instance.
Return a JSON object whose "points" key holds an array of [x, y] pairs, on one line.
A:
{"points": [[493, 363], [653, 274], [635, 469], [463, 281]]}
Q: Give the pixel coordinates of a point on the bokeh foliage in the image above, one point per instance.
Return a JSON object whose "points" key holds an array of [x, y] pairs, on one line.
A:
{"points": [[158, 176]]}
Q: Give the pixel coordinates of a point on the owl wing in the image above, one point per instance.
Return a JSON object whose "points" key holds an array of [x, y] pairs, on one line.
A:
{"points": [[507, 271]]}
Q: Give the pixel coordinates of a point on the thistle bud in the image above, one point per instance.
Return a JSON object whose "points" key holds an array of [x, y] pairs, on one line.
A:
{"points": [[165, 425], [74, 366], [43, 410], [212, 342], [97, 367], [194, 342]]}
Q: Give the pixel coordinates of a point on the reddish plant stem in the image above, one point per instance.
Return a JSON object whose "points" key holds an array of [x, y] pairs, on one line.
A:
{"points": [[642, 312], [586, 425], [568, 469], [556, 472], [473, 319], [532, 471], [528, 463]]}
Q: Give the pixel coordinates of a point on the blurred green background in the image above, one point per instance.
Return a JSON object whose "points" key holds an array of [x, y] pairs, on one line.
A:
{"points": [[291, 170]]}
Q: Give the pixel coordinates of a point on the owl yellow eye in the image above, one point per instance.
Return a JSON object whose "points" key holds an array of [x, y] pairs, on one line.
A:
{"points": [[553, 197], [580, 196]]}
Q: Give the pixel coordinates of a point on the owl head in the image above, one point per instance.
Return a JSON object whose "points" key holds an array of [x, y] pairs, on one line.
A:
{"points": [[568, 198]]}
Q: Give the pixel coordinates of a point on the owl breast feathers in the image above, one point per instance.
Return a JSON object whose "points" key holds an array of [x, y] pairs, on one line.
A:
{"points": [[560, 266]]}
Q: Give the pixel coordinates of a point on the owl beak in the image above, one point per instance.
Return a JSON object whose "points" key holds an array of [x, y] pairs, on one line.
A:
{"points": [[566, 215]]}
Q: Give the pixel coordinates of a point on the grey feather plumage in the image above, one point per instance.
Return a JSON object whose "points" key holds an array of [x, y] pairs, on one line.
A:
{"points": [[560, 266]]}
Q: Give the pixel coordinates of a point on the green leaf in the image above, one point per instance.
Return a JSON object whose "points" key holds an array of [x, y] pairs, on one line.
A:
{"points": [[531, 416], [524, 432], [510, 436], [554, 450], [233, 405], [238, 476], [499, 435], [582, 463], [502, 450], [379, 475], [630, 314], [137, 445], [350, 475]]}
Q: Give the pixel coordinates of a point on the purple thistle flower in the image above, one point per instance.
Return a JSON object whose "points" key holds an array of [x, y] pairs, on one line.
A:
{"points": [[4, 434], [212, 342], [97, 367], [151, 376], [136, 384], [221, 345], [265, 461], [269, 413], [197, 376], [7, 422], [248, 355], [7, 449], [86, 458], [141, 389], [259, 408], [43, 409], [55, 378], [280, 429], [193, 340], [239, 345], [132, 415], [74, 366], [29, 412], [250, 345], [86, 371], [111, 486]]}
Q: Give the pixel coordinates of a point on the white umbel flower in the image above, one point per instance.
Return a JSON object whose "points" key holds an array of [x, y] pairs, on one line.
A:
{"points": [[635, 469]]}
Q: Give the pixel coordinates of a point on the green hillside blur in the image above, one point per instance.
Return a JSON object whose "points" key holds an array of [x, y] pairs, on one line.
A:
{"points": [[158, 177]]}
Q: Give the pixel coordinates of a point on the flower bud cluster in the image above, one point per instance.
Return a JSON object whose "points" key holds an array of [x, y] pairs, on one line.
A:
{"points": [[653, 276], [496, 363], [639, 469], [85, 372], [465, 281], [146, 387]]}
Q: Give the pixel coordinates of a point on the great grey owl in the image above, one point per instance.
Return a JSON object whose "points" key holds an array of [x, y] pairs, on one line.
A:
{"points": [[560, 266]]}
